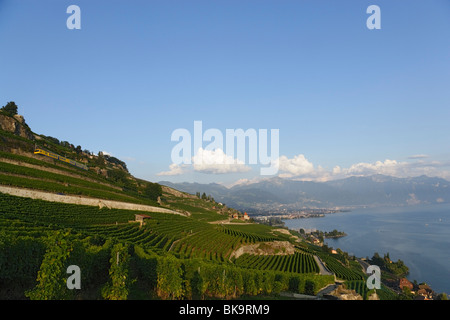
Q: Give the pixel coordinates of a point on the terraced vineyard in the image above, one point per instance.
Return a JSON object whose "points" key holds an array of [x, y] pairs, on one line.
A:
{"points": [[247, 237], [296, 263], [359, 286], [18, 176], [37, 235], [167, 256], [183, 236], [338, 268]]}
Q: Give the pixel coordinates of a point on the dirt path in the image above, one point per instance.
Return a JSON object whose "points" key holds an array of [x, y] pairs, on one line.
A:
{"points": [[230, 222], [322, 268]]}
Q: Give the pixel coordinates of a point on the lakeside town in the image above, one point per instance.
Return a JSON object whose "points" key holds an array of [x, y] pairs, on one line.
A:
{"points": [[394, 272], [286, 214]]}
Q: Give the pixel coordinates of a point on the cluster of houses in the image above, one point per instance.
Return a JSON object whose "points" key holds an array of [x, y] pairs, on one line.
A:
{"points": [[422, 291], [243, 217]]}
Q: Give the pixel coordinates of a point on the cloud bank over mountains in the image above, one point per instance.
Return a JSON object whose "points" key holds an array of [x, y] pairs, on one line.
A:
{"points": [[300, 168]]}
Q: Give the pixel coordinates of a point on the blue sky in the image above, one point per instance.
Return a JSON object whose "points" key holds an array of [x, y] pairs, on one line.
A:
{"points": [[346, 99]]}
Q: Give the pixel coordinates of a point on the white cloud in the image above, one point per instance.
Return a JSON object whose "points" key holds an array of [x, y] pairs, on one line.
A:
{"points": [[296, 166], [174, 170], [419, 156], [388, 167], [299, 168], [400, 169], [216, 161], [245, 181], [128, 159]]}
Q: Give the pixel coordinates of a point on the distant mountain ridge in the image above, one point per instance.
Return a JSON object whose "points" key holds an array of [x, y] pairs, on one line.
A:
{"points": [[278, 193]]}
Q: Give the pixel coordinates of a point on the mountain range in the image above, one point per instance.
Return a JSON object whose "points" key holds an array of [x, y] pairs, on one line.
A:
{"points": [[281, 195]]}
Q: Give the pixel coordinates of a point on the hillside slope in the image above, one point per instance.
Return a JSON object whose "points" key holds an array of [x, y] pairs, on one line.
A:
{"points": [[161, 255]]}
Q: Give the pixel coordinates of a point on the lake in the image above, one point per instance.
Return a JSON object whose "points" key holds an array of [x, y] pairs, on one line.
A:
{"points": [[418, 235]]}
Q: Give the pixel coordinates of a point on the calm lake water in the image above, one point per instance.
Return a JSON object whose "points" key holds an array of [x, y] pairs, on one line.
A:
{"points": [[419, 235]]}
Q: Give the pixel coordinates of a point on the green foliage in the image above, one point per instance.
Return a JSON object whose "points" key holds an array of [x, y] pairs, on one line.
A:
{"points": [[442, 296], [51, 276], [397, 268], [118, 176], [170, 278], [51, 139], [170, 257], [146, 267], [116, 161], [118, 288], [340, 269], [20, 259], [153, 191], [10, 108], [359, 286], [57, 187], [295, 263]]}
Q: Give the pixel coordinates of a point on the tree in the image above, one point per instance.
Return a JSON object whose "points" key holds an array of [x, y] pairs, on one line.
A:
{"points": [[153, 191], [100, 161], [377, 260], [310, 287], [10, 108], [442, 296]]}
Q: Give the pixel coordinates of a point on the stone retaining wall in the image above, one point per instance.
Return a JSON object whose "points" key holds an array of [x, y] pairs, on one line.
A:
{"points": [[47, 196]]}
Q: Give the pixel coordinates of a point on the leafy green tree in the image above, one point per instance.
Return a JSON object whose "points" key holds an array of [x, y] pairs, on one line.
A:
{"points": [[117, 175], [442, 296], [377, 260], [10, 108], [310, 287], [406, 294], [153, 191], [20, 259], [100, 161]]}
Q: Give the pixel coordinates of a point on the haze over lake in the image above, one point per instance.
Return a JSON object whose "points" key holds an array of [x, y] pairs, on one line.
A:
{"points": [[418, 235]]}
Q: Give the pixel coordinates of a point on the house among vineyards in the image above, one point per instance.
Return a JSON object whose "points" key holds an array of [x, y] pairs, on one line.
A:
{"points": [[405, 283], [141, 218]]}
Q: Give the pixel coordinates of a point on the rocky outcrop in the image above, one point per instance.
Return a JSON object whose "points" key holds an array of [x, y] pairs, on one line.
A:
{"points": [[177, 193], [341, 293], [16, 125], [265, 248]]}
